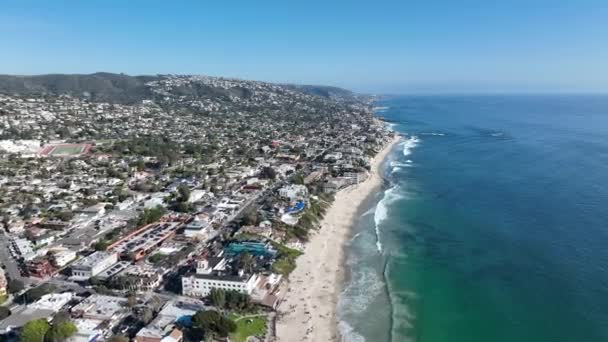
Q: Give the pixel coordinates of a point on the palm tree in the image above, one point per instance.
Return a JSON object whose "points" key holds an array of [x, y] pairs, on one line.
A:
{"points": [[247, 262]]}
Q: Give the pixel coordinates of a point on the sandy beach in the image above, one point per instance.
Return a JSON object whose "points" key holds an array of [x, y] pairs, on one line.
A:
{"points": [[308, 312]]}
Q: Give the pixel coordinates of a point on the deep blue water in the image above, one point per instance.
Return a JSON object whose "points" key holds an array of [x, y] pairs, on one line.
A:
{"points": [[493, 225]]}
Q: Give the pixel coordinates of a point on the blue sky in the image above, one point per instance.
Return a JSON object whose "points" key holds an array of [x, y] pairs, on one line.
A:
{"points": [[374, 46]]}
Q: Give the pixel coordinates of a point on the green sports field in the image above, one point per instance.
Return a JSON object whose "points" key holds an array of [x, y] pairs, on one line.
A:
{"points": [[67, 150]]}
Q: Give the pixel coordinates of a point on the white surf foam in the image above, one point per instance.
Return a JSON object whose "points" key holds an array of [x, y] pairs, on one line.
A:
{"points": [[348, 333], [409, 144], [408, 163], [381, 212], [380, 109], [437, 134], [368, 212], [379, 216], [365, 285]]}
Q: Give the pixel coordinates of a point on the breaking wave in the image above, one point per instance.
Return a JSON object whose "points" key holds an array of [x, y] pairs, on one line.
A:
{"points": [[409, 144], [365, 285], [395, 164], [348, 333], [381, 212], [438, 134]]}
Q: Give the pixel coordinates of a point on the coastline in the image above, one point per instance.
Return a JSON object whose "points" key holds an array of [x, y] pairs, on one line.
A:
{"points": [[309, 311]]}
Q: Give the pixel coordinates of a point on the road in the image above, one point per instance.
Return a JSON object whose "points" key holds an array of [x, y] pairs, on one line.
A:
{"points": [[242, 208], [12, 269]]}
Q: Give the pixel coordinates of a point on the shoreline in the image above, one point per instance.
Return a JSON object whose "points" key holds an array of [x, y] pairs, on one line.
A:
{"points": [[309, 311]]}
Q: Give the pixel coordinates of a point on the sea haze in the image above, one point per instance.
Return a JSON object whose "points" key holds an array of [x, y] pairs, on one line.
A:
{"points": [[492, 225]]}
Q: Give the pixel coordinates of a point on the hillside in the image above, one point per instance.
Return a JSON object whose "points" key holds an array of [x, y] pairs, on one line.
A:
{"points": [[97, 87], [126, 89]]}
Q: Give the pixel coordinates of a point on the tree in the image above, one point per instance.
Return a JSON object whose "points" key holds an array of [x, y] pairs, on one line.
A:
{"points": [[150, 215], [34, 331], [144, 314], [250, 218], [297, 179], [213, 322], [61, 331], [236, 300], [268, 173], [61, 317], [101, 245], [184, 193], [4, 312], [65, 215], [36, 293], [182, 207], [119, 338], [218, 297], [131, 301], [15, 285], [246, 261]]}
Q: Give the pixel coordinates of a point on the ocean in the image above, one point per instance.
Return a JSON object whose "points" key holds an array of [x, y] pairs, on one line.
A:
{"points": [[492, 224]]}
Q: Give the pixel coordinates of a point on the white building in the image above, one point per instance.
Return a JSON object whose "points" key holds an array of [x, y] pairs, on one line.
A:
{"points": [[99, 307], [96, 210], [355, 177], [201, 283], [62, 256], [196, 195], [293, 191], [52, 301], [125, 204], [3, 283], [333, 156], [164, 323], [156, 199], [199, 227], [44, 240], [15, 226], [88, 330], [93, 264]]}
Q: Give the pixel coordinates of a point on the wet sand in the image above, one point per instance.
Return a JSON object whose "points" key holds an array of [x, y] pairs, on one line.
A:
{"points": [[308, 312]]}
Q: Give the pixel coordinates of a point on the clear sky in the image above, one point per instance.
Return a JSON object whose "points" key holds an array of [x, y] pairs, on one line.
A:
{"points": [[375, 46]]}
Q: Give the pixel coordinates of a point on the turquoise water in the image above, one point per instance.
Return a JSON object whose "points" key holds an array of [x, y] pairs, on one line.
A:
{"points": [[492, 225]]}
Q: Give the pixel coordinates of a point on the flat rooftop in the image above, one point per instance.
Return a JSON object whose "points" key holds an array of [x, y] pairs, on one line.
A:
{"points": [[171, 312], [147, 238], [91, 260], [219, 276], [101, 306], [113, 270]]}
